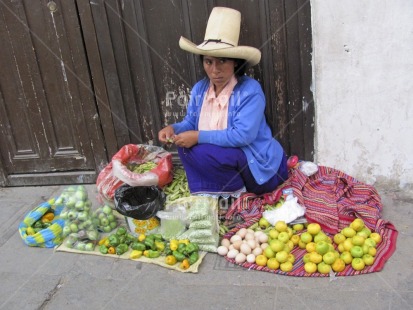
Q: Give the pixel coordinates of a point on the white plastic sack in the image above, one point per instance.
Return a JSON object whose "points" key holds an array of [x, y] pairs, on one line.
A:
{"points": [[288, 212]]}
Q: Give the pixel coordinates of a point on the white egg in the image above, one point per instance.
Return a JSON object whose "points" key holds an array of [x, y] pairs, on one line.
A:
{"points": [[237, 244], [232, 253], [242, 232], [222, 250], [257, 251], [257, 233], [264, 245], [249, 236], [235, 238], [240, 258], [245, 249], [251, 258], [231, 247], [249, 230], [263, 238], [225, 242], [252, 244]]}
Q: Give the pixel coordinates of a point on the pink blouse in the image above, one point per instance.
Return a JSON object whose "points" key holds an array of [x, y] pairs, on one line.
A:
{"points": [[214, 110]]}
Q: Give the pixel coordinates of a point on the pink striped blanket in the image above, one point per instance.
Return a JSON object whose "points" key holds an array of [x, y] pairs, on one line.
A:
{"points": [[331, 198]]}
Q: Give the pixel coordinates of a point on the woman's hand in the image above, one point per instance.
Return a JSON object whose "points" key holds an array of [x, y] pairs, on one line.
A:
{"points": [[166, 134], [187, 139]]}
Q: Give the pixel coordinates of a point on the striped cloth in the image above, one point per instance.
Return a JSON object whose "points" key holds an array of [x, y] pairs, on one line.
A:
{"points": [[333, 199], [45, 238]]}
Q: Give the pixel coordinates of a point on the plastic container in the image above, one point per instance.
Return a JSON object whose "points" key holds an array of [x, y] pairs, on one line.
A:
{"points": [[172, 223]]}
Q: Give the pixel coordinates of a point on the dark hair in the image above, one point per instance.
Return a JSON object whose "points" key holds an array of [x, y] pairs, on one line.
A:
{"points": [[240, 65]]}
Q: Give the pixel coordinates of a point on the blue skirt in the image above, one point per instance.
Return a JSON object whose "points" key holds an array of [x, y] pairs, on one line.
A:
{"points": [[220, 170]]}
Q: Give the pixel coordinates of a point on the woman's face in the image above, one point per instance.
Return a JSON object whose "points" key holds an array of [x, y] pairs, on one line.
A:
{"points": [[219, 70]]}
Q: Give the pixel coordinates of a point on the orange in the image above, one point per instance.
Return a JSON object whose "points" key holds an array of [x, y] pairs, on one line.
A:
{"points": [[338, 265]]}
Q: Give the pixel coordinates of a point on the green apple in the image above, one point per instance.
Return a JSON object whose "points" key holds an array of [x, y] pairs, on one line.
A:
{"points": [[273, 233], [323, 268], [72, 215], [356, 251], [268, 252], [276, 245], [71, 202], [73, 228], [281, 257], [106, 209], [89, 246], [306, 237], [368, 259], [346, 257], [370, 242], [82, 216], [321, 237], [81, 195], [306, 258], [66, 231], [357, 240], [348, 232], [358, 263], [329, 258], [283, 236], [322, 247], [263, 223], [79, 205], [339, 238], [108, 228], [298, 227]]}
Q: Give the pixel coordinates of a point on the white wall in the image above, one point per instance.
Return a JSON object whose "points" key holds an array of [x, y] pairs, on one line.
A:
{"points": [[363, 88]]}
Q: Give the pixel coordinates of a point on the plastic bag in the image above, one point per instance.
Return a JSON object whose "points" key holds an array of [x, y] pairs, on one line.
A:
{"points": [[288, 211], [139, 202], [45, 238], [80, 230], [117, 173]]}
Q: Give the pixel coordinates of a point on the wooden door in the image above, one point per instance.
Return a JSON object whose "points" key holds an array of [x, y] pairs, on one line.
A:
{"points": [[50, 128]]}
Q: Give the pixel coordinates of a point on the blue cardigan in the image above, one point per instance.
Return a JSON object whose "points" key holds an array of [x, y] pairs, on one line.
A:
{"points": [[246, 126]]}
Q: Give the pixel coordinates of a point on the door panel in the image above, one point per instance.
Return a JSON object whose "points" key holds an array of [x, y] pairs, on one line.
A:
{"points": [[49, 122]]}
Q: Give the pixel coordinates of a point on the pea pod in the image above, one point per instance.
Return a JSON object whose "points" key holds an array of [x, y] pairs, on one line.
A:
{"points": [[179, 256]]}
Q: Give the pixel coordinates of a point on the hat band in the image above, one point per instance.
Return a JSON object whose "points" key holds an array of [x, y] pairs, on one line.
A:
{"points": [[215, 41]]}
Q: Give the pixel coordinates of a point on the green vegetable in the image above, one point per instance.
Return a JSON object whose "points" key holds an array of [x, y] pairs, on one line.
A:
{"points": [[190, 248], [121, 231], [138, 246], [103, 249], [193, 258], [113, 240], [160, 245], [158, 237], [149, 243], [179, 256], [181, 248], [152, 253], [121, 248]]}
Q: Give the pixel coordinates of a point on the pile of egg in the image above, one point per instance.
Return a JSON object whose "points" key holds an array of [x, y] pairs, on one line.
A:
{"points": [[244, 246]]}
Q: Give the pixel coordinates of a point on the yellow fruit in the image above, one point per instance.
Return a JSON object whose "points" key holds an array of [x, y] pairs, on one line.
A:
{"points": [[170, 260], [372, 251], [281, 226], [348, 232], [358, 263], [298, 227], [315, 257], [357, 240], [376, 237], [339, 238], [314, 228], [357, 224], [135, 254], [310, 247], [291, 258], [310, 267], [141, 237], [286, 266], [323, 268], [273, 264], [261, 260], [347, 244], [338, 265], [295, 239], [306, 258]]}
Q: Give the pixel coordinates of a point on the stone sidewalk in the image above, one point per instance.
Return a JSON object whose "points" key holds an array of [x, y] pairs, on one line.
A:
{"points": [[36, 278]]}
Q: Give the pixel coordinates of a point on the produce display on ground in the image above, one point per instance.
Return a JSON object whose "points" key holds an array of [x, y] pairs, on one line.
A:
{"points": [[341, 232]]}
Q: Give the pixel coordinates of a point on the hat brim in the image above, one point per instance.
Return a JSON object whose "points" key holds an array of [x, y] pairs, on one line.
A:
{"points": [[251, 55]]}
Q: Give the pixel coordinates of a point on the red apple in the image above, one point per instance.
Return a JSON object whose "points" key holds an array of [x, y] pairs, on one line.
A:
{"points": [[292, 161]]}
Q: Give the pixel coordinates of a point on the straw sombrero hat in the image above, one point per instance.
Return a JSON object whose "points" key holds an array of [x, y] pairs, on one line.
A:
{"points": [[221, 38]]}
